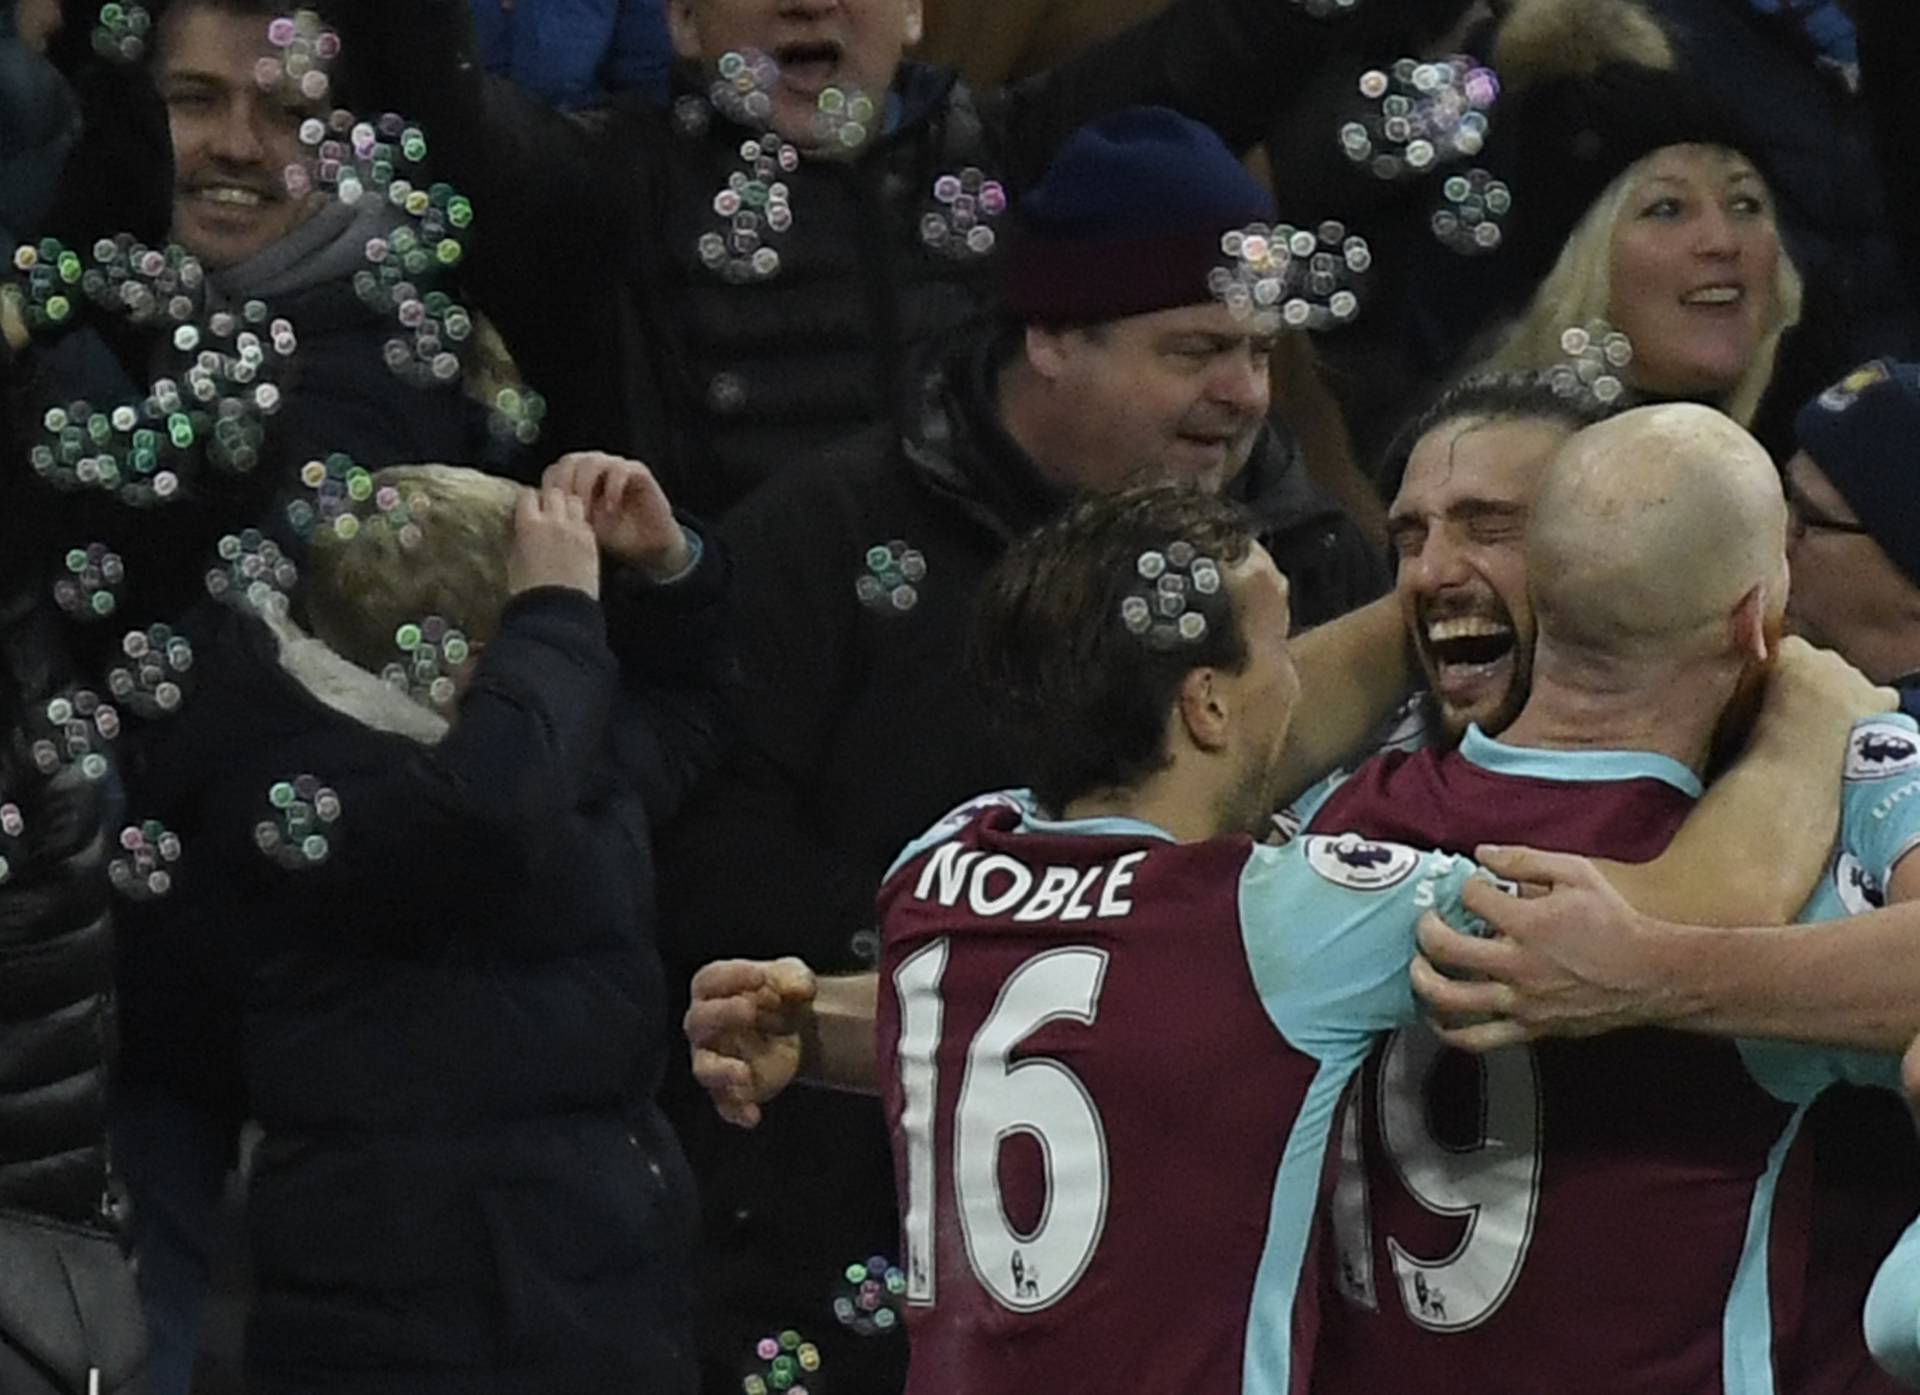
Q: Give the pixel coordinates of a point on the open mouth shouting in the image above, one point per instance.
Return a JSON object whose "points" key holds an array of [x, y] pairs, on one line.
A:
{"points": [[1471, 655], [808, 67]]}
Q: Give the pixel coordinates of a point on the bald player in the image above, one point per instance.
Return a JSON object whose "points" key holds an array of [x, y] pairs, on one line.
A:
{"points": [[1608, 1213]]}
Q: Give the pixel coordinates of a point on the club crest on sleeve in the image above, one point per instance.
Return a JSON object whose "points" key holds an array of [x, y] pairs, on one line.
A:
{"points": [[1879, 749], [1351, 861], [1857, 889], [1846, 392]]}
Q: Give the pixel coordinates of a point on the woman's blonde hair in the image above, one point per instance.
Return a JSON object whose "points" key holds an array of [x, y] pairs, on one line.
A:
{"points": [[1579, 290], [439, 547]]}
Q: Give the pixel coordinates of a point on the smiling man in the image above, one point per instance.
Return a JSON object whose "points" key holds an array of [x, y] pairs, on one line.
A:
{"points": [[233, 143], [232, 140]]}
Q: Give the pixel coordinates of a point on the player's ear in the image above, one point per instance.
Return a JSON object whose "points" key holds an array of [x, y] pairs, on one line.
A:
{"points": [[1750, 627], [1203, 709]]}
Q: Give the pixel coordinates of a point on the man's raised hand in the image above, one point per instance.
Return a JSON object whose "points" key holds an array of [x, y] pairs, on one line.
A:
{"points": [[747, 1027]]}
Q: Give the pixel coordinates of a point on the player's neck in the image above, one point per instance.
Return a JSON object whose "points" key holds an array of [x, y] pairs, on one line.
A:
{"points": [[1169, 800], [1674, 717]]}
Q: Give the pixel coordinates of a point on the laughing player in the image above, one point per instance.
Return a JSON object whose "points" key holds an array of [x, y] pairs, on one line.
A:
{"points": [[1093, 984]]}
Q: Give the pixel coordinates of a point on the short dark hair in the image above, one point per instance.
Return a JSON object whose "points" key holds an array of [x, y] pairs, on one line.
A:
{"points": [[266, 11], [1491, 397], [1076, 694]]}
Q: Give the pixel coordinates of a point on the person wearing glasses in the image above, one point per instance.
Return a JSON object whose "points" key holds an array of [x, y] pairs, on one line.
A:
{"points": [[1855, 536]]}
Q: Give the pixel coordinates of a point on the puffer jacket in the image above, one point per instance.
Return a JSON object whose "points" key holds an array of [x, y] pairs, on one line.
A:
{"points": [[56, 949]]}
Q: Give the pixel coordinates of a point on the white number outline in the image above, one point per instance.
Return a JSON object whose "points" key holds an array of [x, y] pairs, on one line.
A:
{"points": [[1353, 1216], [986, 1115], [916, 980]]}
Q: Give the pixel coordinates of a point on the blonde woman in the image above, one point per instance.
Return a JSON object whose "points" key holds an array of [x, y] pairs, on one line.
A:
{"points": [[1680, 253]]}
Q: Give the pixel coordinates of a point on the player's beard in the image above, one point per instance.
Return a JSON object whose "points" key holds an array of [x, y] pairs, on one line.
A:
{"points": [[1743, 707]]}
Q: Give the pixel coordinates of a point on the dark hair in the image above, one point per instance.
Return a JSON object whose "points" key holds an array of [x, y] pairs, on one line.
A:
{"points": [[1079, 697], [167, 14], [1491, 397]]}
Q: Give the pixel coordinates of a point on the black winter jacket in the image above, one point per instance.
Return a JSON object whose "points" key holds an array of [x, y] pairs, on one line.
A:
{"points": [[56, 949], [859, 728], [585, 246], [455, 1024]]}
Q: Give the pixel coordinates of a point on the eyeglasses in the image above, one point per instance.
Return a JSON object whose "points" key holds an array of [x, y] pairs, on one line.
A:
{"points": [[1804, 518]]}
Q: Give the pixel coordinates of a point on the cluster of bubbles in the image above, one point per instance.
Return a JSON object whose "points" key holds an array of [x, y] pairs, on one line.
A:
{"points": [[354, 159], [148, 852], [844, 118], [742, 91], [121, 31], [337, 484], [517, 414], [340, 489], [889, 584], [873, 1290], [13, 832], [753, 210], [432, 650], [153, 681], [1420, 115], [754, 207], [211, 407], [73, 730], [1596, 357], [396, 516], [782, 1364], [1473, 208], [251, 571], [301, 825], [960, 222], [92, 584], [1163, 611], [305, 48], [1299, 278]]}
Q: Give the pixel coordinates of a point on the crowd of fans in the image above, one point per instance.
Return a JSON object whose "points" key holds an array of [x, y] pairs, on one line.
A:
{"points": [[503, 503]]}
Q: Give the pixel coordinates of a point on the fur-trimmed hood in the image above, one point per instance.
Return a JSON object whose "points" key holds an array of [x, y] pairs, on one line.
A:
{"points": [[1541, 40], [350, 690]]}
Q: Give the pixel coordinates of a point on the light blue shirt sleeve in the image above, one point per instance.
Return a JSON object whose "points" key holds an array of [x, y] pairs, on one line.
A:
{"points": [[1880, 807], [1893, 1311], [1879, 824], [1798, 1074], [1328, 924]]}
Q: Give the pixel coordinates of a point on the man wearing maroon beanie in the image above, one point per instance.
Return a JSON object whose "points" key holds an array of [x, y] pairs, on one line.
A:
{"points": [[1110, 363]]}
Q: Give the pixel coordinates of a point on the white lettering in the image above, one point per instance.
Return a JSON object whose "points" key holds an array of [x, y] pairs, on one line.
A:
{"points": [[1077, 907], [1122, 877], [1886, 806], [1055, 883], [950, 865], [984, 904]]}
